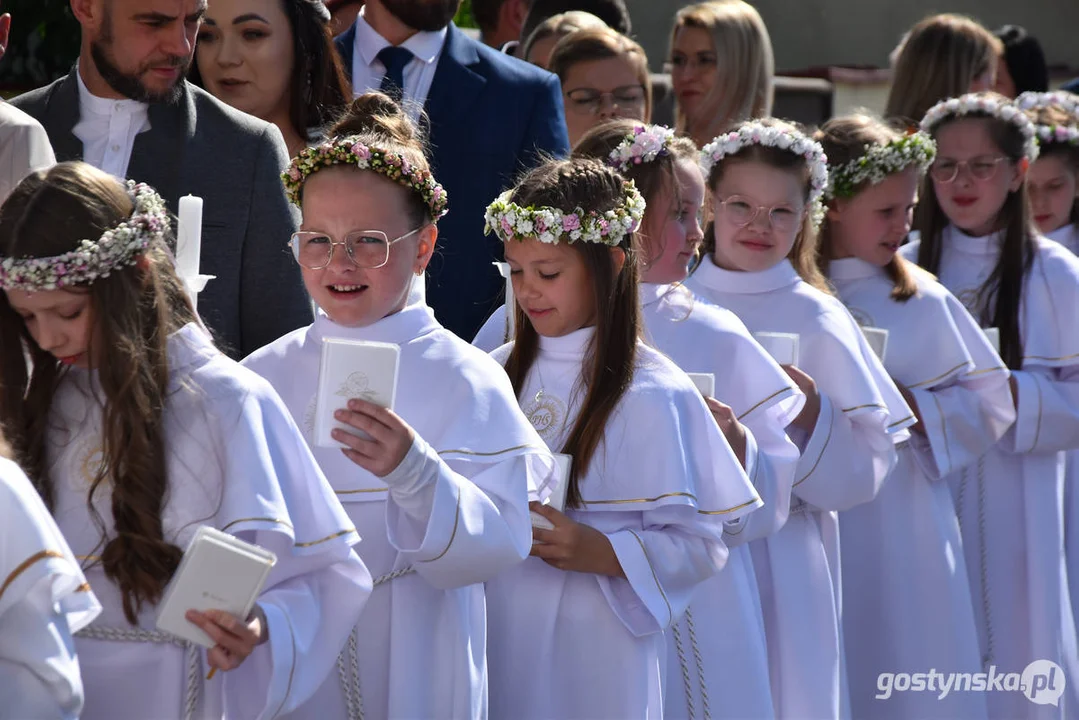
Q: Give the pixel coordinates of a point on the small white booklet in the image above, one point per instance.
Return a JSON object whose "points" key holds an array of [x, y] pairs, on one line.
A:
{"points": [[217, 572], [877, 339], [353, 369], [705, 382], [557, 499], [783, 347], [993, 336]]}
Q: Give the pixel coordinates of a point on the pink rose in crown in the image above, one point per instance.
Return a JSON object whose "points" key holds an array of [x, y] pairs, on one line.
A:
{"points": [[604, 227], [571, 223], [294, 174], [506, 227], [361, 151]]}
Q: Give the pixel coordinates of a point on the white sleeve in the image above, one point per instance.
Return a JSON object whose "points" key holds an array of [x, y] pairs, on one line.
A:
{"points": [[771, 460], [1047, 411], [39, 671]]}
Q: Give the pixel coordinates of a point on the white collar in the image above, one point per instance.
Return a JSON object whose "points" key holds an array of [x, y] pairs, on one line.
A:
{"points": [[571, 346], [780, 275], [852, 268], [96, 105], [425, 45], [1065, 235], [969, 245]]}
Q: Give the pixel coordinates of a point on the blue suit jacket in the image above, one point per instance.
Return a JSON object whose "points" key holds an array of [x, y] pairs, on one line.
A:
{"points": [[490, 117], [1072, 86]]}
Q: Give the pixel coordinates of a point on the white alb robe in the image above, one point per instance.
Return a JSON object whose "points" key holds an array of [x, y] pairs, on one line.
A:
{"points": [[662, 482], [717, 662], [1017, 577], [906, 599], [457, 514], [44, 599], [494, 333], [238, 463], [843, 463], [24, 148]]}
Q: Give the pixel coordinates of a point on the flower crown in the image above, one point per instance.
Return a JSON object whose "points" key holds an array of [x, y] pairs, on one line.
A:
{"points": [[973, 104], [788, 139], [879, 161], [350, 151], [91, 260], [644, 145], [1067, 101], [509, 220]]}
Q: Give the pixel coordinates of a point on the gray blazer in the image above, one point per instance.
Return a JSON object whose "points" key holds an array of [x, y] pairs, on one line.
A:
{"points": [[200, 146]]}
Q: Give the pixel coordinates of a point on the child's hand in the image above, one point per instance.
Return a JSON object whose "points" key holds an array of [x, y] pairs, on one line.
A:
{"points": [[390, 437], [573, 545], [917, 427], [807, 419], [734, 431], [235, 639]]}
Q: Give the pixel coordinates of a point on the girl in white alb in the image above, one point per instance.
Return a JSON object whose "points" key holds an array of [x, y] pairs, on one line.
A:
{"points": [[137, 430], [976, 237], [44, 600], [717, 660], [442, 487], [577, 631], [906, 600], [766, 179]]}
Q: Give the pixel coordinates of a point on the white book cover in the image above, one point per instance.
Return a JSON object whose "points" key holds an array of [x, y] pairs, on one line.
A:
{"points": [[705, 382], [557, 499], [783, 347], [217, 572], [877, 339], [352, 369]]}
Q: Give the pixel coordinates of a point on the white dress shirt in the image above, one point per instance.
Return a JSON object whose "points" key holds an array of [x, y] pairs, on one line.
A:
{"points": [[24, 148], [108, 128], [368, 70]]}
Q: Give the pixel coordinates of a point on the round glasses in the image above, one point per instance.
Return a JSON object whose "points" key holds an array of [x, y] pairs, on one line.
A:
{"points": [[740, 211], [981, 168], [368, 249], [588, 101]]}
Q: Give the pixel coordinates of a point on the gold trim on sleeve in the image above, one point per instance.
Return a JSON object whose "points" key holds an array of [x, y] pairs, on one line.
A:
{"points": [[488, 454], [363, 490], [26, 564], [827, 440], [998, 368], [863, 407], [938, 378], [773, 395], [275, 521], [729, 510], [325, 539], [456, 522], [1051, 359], [644, 551], [900, 422], [664, 496]]}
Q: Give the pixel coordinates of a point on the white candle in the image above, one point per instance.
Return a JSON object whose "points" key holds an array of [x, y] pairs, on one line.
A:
{"points": [[511, 307], [189, 238]]}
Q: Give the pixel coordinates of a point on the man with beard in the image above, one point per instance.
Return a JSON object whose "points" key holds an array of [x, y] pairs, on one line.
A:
{"points": [[127, 109], [489, 117]]}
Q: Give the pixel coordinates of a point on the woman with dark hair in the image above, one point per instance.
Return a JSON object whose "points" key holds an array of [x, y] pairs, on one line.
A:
{"points": [[1021, 68], [273, 59]]}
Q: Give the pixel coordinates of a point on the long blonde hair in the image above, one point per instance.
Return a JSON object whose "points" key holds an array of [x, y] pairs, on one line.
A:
{"points": [[940, 58], [744, 62]]}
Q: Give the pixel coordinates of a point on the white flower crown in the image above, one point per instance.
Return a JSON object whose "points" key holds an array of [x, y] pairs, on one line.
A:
{"points": [[981, 105], [644, 145], [1069, 102], [793, 141], [92, 260], [879, 161], [509, 221]]}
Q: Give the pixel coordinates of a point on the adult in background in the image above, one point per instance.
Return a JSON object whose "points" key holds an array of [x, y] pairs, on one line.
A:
{"points": [[343, 13], [540, 44], [126, 109], [500, 21], [489, 116], [273, 59], [943, 56], [24, 145], [1021, 68]]}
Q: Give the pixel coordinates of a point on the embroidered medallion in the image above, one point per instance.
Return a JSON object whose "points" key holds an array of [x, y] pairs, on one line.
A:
{"points": [[308, 420], [357, 385], [861, 317], [971, 299], [93, 461], [547, 413]]}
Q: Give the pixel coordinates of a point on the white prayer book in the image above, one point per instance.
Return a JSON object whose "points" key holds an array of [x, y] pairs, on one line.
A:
{"points": [[557, 499], [352, 369], [877, 339], [217, 572], [993, 336], [705, 382], [783, 347]]}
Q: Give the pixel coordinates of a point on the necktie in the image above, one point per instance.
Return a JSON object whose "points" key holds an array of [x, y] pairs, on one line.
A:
{"points": [[395, 59]]}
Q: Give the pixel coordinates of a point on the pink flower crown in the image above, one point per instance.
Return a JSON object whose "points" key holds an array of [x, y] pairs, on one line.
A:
{"points": [[350, 151], [645, 144], [93, 259]]}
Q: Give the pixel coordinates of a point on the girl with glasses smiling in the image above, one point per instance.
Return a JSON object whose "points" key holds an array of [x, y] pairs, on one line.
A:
{"points": [[441, 483], [766, 179], [978, 237]]}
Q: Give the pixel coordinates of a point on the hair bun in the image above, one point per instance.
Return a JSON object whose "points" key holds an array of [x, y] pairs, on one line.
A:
{"points": [[375, 113]]}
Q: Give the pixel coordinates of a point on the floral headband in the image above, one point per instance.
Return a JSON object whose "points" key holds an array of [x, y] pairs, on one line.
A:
{"points": [[879, 161], [350, 151], [509, 220], [91, 260], [788, 139], [1067, 101], [643, 146], [977, 105]]}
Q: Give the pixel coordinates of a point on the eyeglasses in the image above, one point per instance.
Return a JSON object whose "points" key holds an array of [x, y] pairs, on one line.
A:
{"points": [[981, 168], [589, 100], [741, 212], [368, 249]]}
